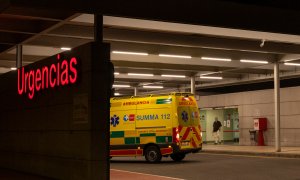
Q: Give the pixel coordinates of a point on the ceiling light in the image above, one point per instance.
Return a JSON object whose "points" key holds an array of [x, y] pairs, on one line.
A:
{"points": [[291, 60], [176, 76], [209, 73], [175, 56], [210, 77], [215, 59], [137, 74], [65, 48], [116, 73], [130, 53], [254, 61], [292, 64], [13, 68], [153, 87], [121, 85], [117, 94]]}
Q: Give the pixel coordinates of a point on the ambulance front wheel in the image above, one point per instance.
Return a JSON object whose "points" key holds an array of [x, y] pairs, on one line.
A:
{"points": [[178, 156], [152, 154]]}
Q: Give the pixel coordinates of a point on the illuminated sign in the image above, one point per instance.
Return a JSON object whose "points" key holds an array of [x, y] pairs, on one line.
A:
{"points": [[58, 74]]}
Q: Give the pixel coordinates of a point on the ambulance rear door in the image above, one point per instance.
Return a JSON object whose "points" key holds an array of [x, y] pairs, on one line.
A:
{"points": [[189, 123]]}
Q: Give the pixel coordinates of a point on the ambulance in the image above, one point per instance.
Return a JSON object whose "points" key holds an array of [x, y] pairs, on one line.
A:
{"points": [[155, 126]]}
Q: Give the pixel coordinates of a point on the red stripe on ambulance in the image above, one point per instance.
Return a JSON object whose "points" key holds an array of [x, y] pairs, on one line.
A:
{"points": [[186, 134], [126, 152], [196, 133]]}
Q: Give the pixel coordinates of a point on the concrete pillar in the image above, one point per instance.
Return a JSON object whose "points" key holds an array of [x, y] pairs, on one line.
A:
{"points": [[102, 66], [277, 106], [135, 91], [19, 56], [193, 86], [98, 27]]}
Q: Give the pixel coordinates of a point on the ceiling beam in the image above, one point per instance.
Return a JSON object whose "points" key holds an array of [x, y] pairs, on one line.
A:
{"points": [[185, 67], [23, 25], [206, 12], [12, 38], [176, 39]]}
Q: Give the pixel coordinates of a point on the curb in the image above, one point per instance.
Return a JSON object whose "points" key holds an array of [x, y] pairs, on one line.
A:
{"points": [[266, 154]]}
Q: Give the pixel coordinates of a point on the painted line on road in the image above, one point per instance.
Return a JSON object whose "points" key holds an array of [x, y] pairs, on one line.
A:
{"points": [[256, 156], [146, 174]]}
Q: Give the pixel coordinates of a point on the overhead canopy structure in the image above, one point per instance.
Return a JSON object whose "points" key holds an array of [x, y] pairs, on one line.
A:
{"points": [[195, 31]]}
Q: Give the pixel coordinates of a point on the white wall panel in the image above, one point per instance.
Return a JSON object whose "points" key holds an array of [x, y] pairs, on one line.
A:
{"points": [[261, 104]]}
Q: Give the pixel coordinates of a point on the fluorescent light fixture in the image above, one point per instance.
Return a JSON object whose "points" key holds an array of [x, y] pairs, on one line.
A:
{"points": [[153, 87], [175, 76], [117, 94], [65, 48], [121, 85], [210, 77], [206, 109], [231, 107], [292, 64], [209, 73], [130, 53], [288, 60], [254, 61], [137, 74], [116, 73], [175, 56], [13, 68], [215, 59]]}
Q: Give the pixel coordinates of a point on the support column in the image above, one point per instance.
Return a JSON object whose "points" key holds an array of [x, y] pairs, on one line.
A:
{"points": [[193, 86], [101, 82], [98, 28], [135, 91], [19, 56], [277, 106]]}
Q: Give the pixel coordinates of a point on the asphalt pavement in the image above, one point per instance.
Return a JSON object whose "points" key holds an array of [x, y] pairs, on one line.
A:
{"points": [[207, 166]]}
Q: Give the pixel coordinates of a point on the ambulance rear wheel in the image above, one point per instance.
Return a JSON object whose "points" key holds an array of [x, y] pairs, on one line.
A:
{"points": [[178, 156], [152, 154]]}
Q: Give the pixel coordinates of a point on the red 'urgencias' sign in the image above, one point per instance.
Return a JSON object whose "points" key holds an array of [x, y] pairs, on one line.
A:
{"points": [[60, 74]]}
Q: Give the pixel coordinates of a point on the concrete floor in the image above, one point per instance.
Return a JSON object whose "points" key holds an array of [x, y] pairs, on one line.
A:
{"points": [[215, 166], [214, 162]]}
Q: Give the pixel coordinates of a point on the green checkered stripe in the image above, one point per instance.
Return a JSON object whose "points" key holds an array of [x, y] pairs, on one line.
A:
{"points": [[164, 101], [136, 140]]}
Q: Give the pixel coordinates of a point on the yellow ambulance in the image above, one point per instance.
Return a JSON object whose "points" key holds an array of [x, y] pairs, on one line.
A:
{"points": [[154, 126]]}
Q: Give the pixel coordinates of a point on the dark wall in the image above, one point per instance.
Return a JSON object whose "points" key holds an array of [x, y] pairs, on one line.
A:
{"points": [[62, 132]]}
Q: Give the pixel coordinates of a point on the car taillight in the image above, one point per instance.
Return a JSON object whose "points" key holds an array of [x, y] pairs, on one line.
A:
{"points": [[175, 135]]}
